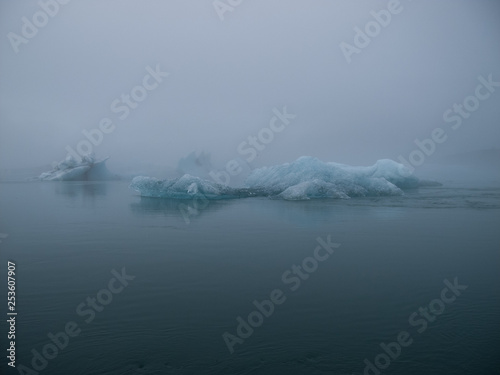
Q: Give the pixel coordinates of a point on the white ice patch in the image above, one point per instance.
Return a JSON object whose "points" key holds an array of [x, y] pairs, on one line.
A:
{"points": [[88, 169]]}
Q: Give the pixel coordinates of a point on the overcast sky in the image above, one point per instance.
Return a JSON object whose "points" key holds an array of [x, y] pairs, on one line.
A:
{"points": [[227, 75]]}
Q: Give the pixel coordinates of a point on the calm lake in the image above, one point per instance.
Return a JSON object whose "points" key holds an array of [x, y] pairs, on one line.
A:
{"points": [[186, 281]]}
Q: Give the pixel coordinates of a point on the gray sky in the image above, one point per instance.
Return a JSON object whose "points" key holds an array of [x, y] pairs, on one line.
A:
{"points": [[226, 76]]}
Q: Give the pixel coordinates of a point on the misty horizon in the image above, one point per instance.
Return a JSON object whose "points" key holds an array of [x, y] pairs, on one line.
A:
{"points": [[226, 78]]}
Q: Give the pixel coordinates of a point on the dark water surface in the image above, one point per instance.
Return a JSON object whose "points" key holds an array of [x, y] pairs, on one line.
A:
{"points": [[193, 280]]}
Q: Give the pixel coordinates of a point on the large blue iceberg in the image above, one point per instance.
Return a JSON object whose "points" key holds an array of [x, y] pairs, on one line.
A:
{"points": [[305, 178], [309, 177]]}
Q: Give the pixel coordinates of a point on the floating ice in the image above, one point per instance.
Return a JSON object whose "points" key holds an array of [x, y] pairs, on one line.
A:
{"points": [[186, 187], [309, 177], [88, 169], [304, 178]]}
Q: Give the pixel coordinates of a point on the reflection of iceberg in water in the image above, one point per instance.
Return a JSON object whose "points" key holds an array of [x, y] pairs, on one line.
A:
{"points": [[171, 208], [81, 189], [88, 169], [305, 178]]}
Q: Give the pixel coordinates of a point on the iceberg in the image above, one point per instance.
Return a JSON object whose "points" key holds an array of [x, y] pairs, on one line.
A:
{"points": [[195, 164], [88, 169], [305, 178], [187, 187], [309, 177]]}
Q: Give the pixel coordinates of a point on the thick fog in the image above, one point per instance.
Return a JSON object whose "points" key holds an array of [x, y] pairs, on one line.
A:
{"points": [[233, 66]]}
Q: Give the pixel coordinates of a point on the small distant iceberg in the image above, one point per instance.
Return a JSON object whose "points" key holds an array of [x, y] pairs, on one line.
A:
{"points": [[199, 164], [87, 169], [305, 178], [195, 164]]}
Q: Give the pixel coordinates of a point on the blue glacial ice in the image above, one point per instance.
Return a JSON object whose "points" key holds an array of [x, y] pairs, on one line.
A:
{"points": [[305, 178], [309, 177], [186, 187]]}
